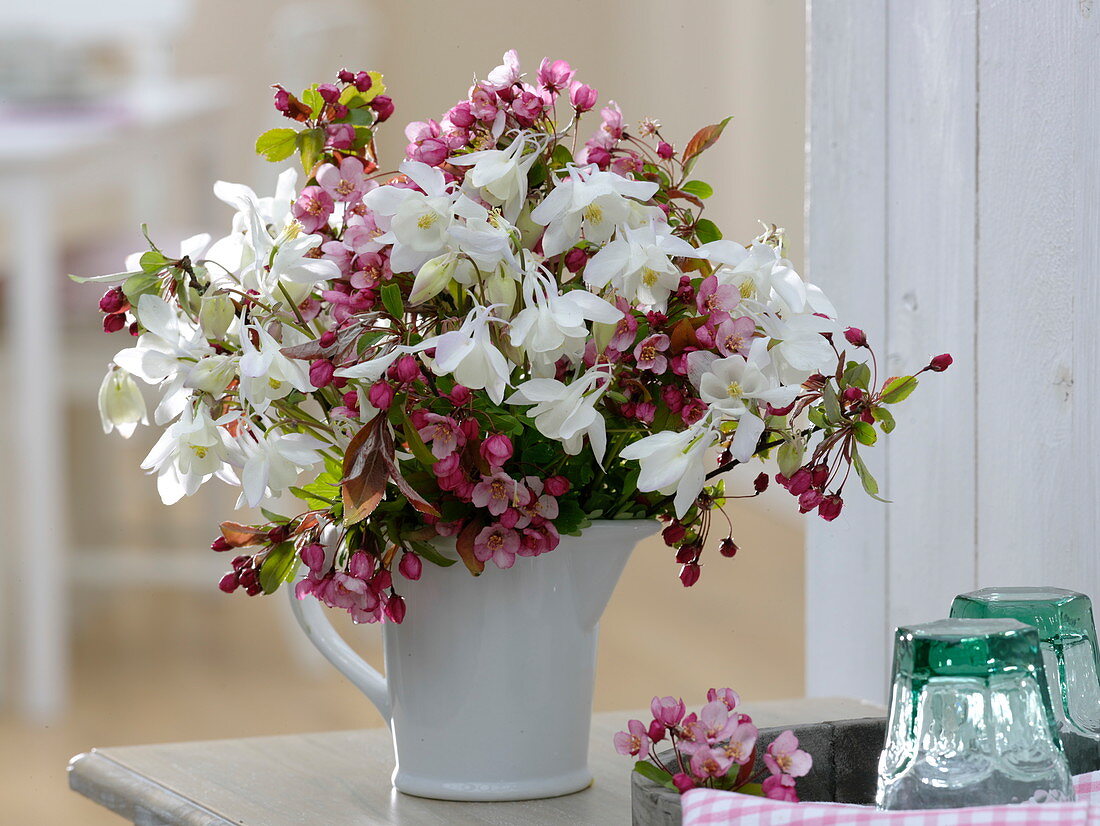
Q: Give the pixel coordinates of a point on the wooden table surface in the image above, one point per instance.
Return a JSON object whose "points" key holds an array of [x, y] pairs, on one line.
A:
{"points": [[341, 778]]}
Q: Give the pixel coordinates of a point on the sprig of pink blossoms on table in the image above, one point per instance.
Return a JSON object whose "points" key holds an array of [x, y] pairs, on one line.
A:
{"points": [[714, 748], [528, 325]]}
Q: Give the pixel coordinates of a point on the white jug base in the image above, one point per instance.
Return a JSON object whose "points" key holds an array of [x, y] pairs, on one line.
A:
{"points": [[524, 790]]}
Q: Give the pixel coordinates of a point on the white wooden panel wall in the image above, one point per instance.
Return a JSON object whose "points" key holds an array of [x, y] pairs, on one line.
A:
{"points": [[953, 205]]}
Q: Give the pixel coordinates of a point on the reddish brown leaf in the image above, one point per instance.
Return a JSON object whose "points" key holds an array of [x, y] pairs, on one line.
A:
{"points": [[703, 140], [365, 471], [465, 546], [686, 196], [243, 536], [415, 499], [683, 335], [307, 351]]}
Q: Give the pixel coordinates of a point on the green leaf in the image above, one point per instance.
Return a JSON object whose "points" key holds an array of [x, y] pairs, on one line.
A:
{"points": [[870, 484], [271, 516], [416, 444], [109, 278], [699, 189], [429, 552], [277, 144], [651, 772], [561, 155], [311, 143], [540, 453], [817, 416], [317, 496], [857, 374], [789, 456], [537, 174], [706, 231], [138, 285], [278, 567], [865, 434], [391, 300], [153, 261], [571, 516], [755, 789], [312, 98], [898, 390], [361, 117], [363, 136], [885, 419], [831, 403]]}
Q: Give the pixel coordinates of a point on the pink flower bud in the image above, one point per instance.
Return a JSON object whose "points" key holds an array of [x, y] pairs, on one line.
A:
{"points": [[819, 475], [853, 394], [313, 555], [410, 566], [395, 609], [582, 96], [809, 500], [665, 150], [682, 782], [599, 156], [350, 399], [575, 260], [114, 301], [656, 731], [229, 582], [689, 574], [855, 337], [461, 116], [554, 74], [432, 151], [509, 519], [496, 450], [381, 580], [363, 81], [327, 339], [321, 372], [113, 323], [460, 395], [405, 369], [557, 486], [940, 363], [282, 100], [329, 93], [383, 108], [345, 76], [645, 412], [340, 136], [361, 565], [800, 482], [381, 395]]}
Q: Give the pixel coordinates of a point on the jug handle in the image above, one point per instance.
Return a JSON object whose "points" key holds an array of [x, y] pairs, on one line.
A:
{"points": [[313, 620]]}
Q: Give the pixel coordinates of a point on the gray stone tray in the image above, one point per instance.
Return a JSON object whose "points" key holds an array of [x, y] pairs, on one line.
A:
{"points": [[845, 768]]}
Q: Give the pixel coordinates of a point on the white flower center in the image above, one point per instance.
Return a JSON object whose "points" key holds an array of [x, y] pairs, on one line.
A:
{"points": [[427, 220], [734, 389], [649, 276], [593, 213]]}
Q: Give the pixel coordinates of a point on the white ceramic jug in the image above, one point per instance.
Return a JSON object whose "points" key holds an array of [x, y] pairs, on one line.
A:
{"points": [[488, 685]]}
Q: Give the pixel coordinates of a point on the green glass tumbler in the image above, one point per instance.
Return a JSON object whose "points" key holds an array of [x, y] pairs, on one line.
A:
{"points": [[970, 719], [1067, 638]]}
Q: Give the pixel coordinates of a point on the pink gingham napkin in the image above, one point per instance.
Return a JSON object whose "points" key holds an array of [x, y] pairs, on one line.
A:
{"points": [[706, 807]]}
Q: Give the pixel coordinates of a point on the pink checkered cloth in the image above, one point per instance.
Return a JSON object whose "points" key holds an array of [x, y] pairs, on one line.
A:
{"points": [[706, 807]]}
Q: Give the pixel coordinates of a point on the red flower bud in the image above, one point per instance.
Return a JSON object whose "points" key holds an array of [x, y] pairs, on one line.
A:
{"points": [[395, 608], [114, 322], [760, 484], [383, 108], [327, 339], [682, 782], [830, 507], [674, 534], [809, 500], [665, 150], [220, 544], [853, 394], [687, 553], [229, 582], [819, 475], [800, 482], [278, 534], [329, 93], [940, 363], [689, 574], [856, 337], [363, 81], [599, 156], [575, 259], [656, 731], [114, 301], [345, 76], [728, 548], [410, 566]]}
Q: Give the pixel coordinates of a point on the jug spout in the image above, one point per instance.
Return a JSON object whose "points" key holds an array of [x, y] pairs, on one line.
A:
{"points": [[599, 556]]}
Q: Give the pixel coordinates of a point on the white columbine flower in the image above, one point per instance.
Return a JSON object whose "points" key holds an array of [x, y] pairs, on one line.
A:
{"points": [[591, 202], [470, 355], [188, 453], [735, 387], [234, 252], [272, 462], [552, 325], [170, 343], [266, 374], [639, 264], [800, 349], [212, 374], [500, 175], [420, 222], [673, 462], [121, 405], [759, 273], [567, 412]]}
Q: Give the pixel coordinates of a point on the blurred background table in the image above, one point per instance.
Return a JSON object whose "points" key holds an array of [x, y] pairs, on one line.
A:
{"points": [[342, 778]]}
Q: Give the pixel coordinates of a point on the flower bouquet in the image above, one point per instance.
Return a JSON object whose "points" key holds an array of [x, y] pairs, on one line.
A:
{"points": [[715, 748], [526, 329]]}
